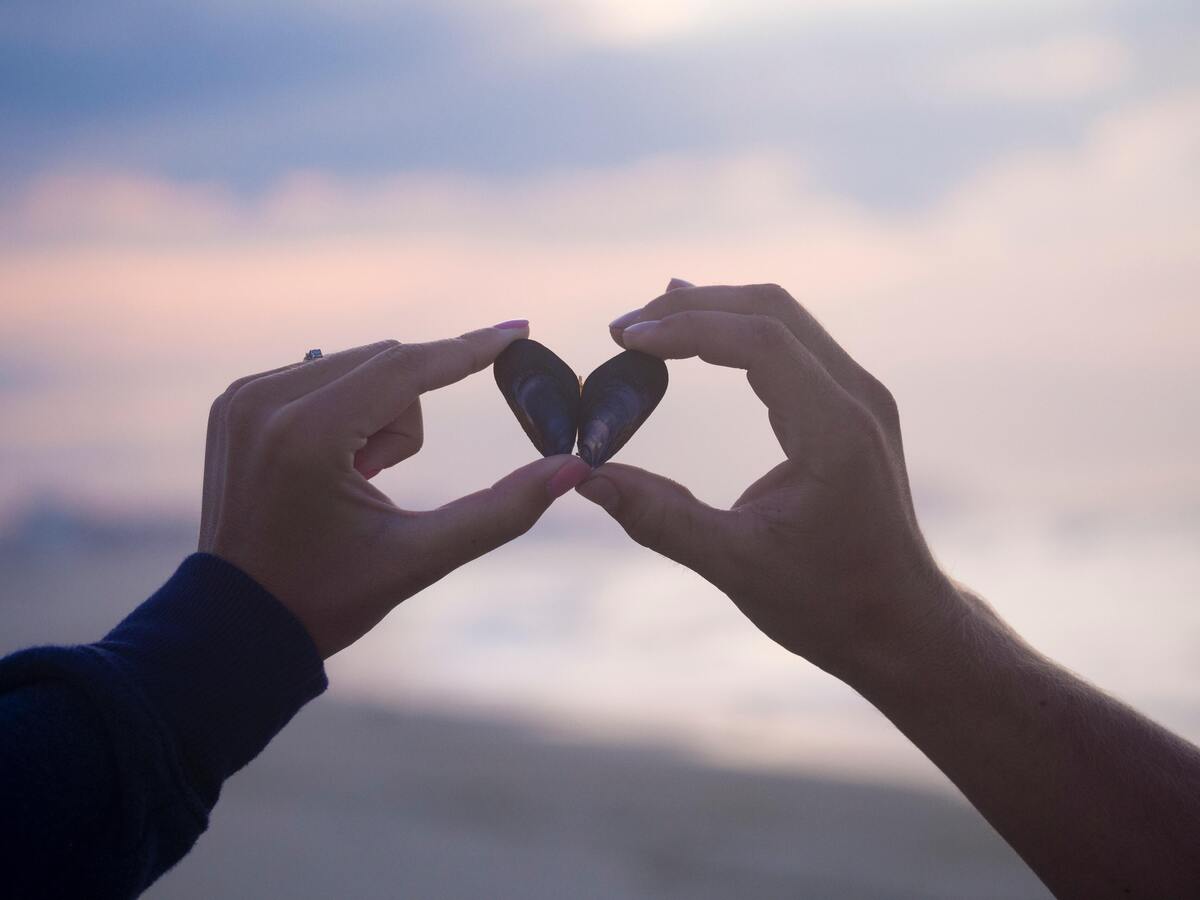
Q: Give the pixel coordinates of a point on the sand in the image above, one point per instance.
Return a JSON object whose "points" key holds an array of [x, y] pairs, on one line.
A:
{"points": [[359, 802]]}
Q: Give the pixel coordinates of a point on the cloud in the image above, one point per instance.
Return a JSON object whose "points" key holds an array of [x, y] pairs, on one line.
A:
{"points": [[1052, 71], [632, 22], [1038, 324], [213, 91], [114, 205]]}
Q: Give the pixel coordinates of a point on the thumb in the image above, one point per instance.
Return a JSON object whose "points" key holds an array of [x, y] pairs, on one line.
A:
{"points": [[663, 515], [473, 525]]}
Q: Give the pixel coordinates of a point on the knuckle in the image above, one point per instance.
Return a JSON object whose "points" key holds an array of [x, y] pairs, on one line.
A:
{"points": [[243, 402], [767, 332], [281, 436], [647, 524], [856, 418], [661, 307], [665, 305], [472, 351], [773, 297], [689, 322], [216, 411], [379, 347], [882, 401], [365, 350], [283, 422], [454, 353], [670, 527], [406, 360], [234, 386], [863, 431]]}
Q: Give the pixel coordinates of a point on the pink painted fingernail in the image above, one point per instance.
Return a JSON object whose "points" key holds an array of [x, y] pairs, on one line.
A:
{"points": [[513, 323], [621, 321], [566, 478], [641, 327], [676, 283]]}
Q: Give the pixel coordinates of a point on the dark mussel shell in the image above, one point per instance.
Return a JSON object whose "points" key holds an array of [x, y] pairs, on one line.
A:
{"points": [[542, 392], [617, 398]]}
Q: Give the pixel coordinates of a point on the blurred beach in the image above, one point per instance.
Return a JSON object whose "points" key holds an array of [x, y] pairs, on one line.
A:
{"points": [[575, 629], [366, 803], [607, 726], [449, 790]]}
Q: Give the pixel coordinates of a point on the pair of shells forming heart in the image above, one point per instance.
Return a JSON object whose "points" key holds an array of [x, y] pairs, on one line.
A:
{"points": [[555, 406]]}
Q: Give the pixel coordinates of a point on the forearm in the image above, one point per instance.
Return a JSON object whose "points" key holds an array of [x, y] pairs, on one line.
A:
{"points": [[824, 554], [1097, 799], [112, 754], [95, 801], [62, 793]]}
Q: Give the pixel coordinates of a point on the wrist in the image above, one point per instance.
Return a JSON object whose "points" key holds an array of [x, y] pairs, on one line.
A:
{"points": [[220, 663], [914, 634], [955, 642]]}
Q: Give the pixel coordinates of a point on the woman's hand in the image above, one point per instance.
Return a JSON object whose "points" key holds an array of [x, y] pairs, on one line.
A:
{"points": [[823, 552], [286, 491]]}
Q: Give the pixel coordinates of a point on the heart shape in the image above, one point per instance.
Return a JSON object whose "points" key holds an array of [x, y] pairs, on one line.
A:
{"points": [[554, 405]]}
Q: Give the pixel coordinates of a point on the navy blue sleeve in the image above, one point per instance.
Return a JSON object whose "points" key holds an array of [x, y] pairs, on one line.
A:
{"points": [[112, 754]]}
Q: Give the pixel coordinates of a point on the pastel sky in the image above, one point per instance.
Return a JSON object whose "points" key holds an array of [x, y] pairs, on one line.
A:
{"points": [[994, 205]]}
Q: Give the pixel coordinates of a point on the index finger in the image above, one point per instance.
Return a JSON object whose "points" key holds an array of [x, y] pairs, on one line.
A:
{"points": [[801, 397], [763, 300], [376, 392]]}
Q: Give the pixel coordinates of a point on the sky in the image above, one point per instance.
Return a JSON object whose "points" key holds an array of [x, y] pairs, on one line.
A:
{"points": [[241, 95], [995, 206]]}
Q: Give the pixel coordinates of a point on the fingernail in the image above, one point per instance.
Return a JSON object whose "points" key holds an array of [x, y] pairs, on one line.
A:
{"points": [[641, 327], [600, 491], [676, 283], [567, 477], [621, 321], [513, 323]]}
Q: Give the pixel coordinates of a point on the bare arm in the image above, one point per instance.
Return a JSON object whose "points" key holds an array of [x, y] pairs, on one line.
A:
{"points": [[1096, 798], [824, 555]]}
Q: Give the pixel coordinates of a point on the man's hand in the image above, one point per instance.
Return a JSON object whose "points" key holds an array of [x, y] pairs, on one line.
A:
{"points": [[823, 552], [824, 555], [286, 491]]}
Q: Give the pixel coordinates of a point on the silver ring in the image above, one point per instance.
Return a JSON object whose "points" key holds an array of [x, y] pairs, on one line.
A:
{"points": [[315, 353]]}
